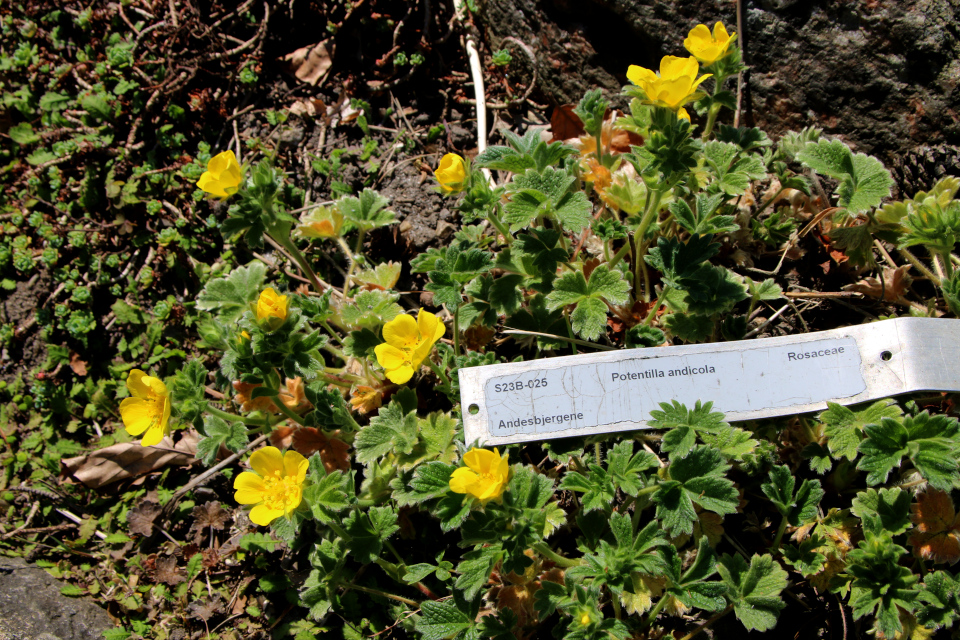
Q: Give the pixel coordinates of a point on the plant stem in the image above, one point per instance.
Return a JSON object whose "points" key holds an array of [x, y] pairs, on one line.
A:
{"points": [[922, 268], [768, 202], [780, 532], [291, 248], [714, 108], [376, 592], [333, 334], [456, 331], [648, 321], [543, 549], [656, 610], [231, 417], [494, 218], [618, 256], [573, 345], [286, 411], [440, 372], [709, 622]]}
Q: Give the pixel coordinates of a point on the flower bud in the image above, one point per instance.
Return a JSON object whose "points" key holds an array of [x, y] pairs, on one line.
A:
{"points": [[451, 174]]}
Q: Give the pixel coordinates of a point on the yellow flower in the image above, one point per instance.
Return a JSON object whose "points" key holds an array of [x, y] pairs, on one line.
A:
{"points": [[485, 477], [452, 173], [223, 175], [322, 222], [147, 411], [275, 486], [584, 619], [673, 86], [407, 343], [271, 308], [707, 47]]}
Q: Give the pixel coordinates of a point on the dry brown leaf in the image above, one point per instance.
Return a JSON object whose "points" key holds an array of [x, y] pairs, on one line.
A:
{"points": [[565, 124], [310, 64], [311, 108], [129, 460], [282, 437], [210, 514], [293, 395], [167, 571], [333, 452], [206, 610], [892, 288], [140, 518], [79, 366], [937, 533]]}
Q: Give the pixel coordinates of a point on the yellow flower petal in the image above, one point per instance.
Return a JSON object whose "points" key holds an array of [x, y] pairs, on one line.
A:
{"points": [[295, 466], [294, 498], [462, 479], [452, 173], [137, 415], [673, 67], [400, 375], [136, 385], [390, 357], [250, 488], [682, 114], [263, 515], [270, 304], [154, 435], [267, 461], [431, 329], [640, 75], [401, 332]]}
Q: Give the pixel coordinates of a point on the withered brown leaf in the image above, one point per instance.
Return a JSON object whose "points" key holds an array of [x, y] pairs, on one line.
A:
{"points": [[937, 533], [206, 609], [333, 452], [210, 514], [167, 572], [140, 519]]}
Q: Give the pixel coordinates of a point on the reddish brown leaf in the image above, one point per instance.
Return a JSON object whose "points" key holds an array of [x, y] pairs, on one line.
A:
{"points": [[310, 64], [167, 571], [210, 514], [79, 366], [565, 124], [333, 451], [140, 519], [129, 460], [282, 437], [891, 288], [937, 533]]}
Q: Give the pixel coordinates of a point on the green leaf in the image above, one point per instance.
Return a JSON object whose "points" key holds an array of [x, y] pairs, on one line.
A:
{"points": [[864, 181], [713, 290], [230, 296], [884, 510], [360, 344], [881, 587], [692, 587], [23, 134], [542, 246], [844, 427], [368, 531], [590, 315], [679, 261], [430, 480], [127, 314], [597, 488], [941, 597], [930, 442], [689, 327], [446, 620], [702, 222], [366, 212], [232, 435], [390, 431], [625, 466], [370, 309], [806, 558], [613, 564], [797, 507], [72, 591], [697, 478], [573, 211], [327, 495], [52, 101], [754, 590], [684, 424], [475, 569]]}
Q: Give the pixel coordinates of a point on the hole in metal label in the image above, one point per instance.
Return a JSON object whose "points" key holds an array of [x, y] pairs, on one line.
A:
{"points": [[473, 409], [886, 356]]}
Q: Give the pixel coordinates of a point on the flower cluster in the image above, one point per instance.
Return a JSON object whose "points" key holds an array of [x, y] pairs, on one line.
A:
{"points": [[407, 342]]}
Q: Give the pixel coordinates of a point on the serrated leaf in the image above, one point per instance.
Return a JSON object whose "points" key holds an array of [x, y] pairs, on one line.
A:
{"points": [[689, 327], [754, 590], [797, 507], [806, 558], [941, 595], [677, 260], [590, 315], [475, 569], [328, 495], [230, 296], [930, 442], [23, 134], [844, 427], [368, 530], [625, 466], [232, 435], [697, 478], [370, 309], [368, 211], [390, 431], [884, 510], [444, 621]]}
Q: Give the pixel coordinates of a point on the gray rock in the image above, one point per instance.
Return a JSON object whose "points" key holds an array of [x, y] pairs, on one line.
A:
{"points": [[32, 607], [883, 74]]}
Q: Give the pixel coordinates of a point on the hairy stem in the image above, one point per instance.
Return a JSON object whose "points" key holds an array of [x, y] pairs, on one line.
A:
{"points": [[543, 549]]}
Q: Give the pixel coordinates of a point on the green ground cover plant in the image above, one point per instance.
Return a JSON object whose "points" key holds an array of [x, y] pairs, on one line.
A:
{"points": [[338, 391]]}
